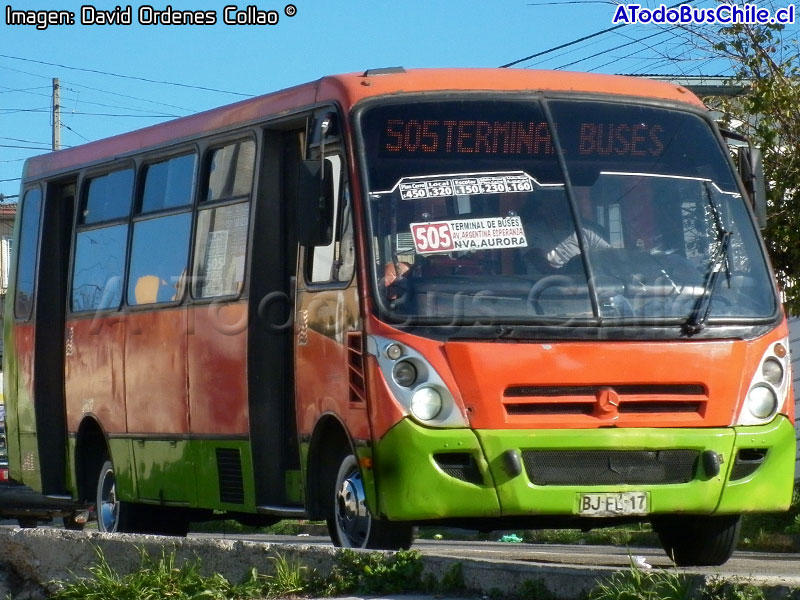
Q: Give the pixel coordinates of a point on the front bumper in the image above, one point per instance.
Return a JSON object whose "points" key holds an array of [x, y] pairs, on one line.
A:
{"points": [[428, 474]]}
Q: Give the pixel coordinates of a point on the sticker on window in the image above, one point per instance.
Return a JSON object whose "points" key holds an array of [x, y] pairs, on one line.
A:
{"points": [[465, 184], [468, 234]]}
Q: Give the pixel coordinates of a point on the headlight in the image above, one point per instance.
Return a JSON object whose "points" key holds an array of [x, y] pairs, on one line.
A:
{"points": [[772, 371], [426, 403], [761, 401], [404, 373], [416, 387]]}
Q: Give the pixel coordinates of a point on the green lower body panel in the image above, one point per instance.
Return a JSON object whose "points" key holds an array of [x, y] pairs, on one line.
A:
{"points": [[210, 474], [428, 474]]}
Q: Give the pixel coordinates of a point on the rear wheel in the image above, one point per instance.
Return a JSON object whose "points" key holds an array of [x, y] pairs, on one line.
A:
{"points": [[72, 524], [350, 523], [27, 522], [694, 540], [110, 511], [163, 520], [113, 515]]}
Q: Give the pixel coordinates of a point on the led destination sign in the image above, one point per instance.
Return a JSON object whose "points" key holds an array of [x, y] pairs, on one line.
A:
{"points": [[441, 138]]}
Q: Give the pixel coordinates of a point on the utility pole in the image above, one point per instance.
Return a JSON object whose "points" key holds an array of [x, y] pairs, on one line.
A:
{"points": [[56, 114]]}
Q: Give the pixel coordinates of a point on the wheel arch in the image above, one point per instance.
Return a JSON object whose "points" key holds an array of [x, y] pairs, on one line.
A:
{"points": [[91, 451], [329, 433]]}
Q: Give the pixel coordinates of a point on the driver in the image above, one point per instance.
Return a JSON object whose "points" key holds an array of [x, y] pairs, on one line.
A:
{"points": [[551, 234]]}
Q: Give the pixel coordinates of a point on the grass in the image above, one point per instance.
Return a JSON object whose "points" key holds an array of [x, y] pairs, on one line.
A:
{"points": [[369, 573], [287, 527], [638, 584], [353, 572]]}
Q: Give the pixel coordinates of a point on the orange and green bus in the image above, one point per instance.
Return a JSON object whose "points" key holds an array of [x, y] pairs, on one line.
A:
{"points": [[483, 298]]}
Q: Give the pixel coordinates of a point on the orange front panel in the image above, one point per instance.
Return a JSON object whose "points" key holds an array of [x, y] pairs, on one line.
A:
{"points": [[217, 345], [601, 384], [155, 371], [329, 361], [94, 372]]}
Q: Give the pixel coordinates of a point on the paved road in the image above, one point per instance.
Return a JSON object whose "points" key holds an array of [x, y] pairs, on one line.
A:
{"points": [[743, 564]]}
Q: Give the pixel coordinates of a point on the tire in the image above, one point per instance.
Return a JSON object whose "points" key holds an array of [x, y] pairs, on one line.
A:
{"points": [[162, 520], [698, 541], [28, 522], [113, 515], [70, 523], [350, 523]]}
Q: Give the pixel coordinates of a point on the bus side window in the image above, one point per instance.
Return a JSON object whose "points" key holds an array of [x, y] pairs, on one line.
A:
{"points": [[160, 247], [28, 246], [101, 240], [223, 220], [336, 261]]}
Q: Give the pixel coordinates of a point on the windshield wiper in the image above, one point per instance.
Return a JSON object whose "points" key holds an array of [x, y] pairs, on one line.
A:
{"points": [[702, 308]]}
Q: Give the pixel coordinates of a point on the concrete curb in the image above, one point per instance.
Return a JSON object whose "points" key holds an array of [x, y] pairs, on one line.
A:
{"points": [[42, 556]]}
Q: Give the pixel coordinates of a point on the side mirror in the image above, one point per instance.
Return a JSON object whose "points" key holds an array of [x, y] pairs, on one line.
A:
{"points": [[314, 206], [751, 170]]}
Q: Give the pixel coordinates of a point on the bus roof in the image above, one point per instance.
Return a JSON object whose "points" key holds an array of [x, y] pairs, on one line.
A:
{"points": [[349, 89]]}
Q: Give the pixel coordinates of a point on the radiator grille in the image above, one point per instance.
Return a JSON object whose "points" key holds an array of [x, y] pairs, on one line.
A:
{"points": [[607, 467], [229, 469], [583, 400]]}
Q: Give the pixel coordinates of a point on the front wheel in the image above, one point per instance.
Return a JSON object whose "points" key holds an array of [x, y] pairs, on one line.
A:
{"points": [[350, 523], [698, 541]]}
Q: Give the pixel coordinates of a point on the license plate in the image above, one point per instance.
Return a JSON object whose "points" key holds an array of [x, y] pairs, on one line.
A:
{"points": [[613, 504]]}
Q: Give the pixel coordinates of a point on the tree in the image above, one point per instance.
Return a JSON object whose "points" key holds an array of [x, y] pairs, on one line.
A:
{"points": [[769, 114]]}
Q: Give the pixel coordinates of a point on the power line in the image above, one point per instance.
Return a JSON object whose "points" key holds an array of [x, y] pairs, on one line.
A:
{"points": [[605, 51], [19, 140], [98, 72], [11, 111], [567, 45], [573, 42], [7, 90], [94, 114], [77, 99], [12, 179], [128, 96], [110, 105], [25, 72], [75, 132], [23, 147]]}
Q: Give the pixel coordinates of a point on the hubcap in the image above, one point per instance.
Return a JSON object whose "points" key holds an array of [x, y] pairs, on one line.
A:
{"points": [[108, 505], [353, 520]]}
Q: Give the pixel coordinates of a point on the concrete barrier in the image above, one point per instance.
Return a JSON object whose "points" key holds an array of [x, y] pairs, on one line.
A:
{"points": [[40, 557]]}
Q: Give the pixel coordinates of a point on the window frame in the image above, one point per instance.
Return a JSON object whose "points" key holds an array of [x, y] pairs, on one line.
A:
{"points": [[82, 185], [136, 216], [29, 317], [339, 150], [204, 172]]}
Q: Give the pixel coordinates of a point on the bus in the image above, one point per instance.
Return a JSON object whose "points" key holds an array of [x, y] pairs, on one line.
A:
{"points": [[484, 298]]}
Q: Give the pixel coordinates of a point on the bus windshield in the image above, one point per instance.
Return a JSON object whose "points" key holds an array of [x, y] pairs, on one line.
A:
{"points": [[495, 211]]}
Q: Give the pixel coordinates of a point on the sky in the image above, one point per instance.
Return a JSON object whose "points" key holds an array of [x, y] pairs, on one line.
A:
{"points": [[102, 68]]}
